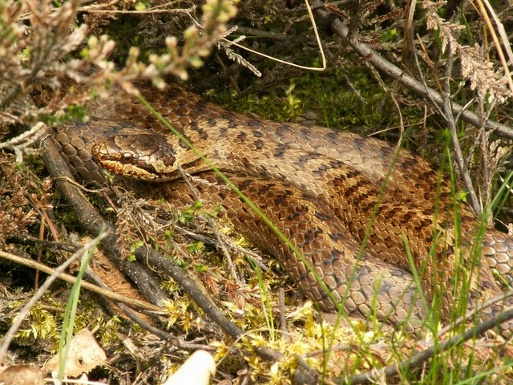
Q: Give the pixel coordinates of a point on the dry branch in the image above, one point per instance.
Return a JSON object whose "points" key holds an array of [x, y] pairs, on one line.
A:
{"points": [[410, 82]]}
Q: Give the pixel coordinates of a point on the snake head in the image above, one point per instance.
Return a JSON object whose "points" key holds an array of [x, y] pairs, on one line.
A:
{"points": [[147, 157]]}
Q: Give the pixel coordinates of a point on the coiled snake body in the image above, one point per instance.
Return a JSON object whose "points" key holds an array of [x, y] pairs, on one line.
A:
{"points": [[328, 191]]}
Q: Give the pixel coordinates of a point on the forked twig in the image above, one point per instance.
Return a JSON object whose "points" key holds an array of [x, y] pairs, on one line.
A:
{"points": [[451, 122], [407, 80]]}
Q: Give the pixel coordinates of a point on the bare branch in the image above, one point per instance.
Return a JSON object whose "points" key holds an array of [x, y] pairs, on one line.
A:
{"points": [[407, 80]]}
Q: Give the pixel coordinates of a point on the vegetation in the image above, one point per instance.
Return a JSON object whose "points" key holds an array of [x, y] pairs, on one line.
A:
{"points": [[436, 74]]}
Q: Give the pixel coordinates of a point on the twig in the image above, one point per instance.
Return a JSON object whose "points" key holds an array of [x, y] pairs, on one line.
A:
{"points": [[451, 123], [469, 314], [134, 303], [424, 355], [485, 12], [24, 239], [410, 82], [317, 40], [24, 312]]}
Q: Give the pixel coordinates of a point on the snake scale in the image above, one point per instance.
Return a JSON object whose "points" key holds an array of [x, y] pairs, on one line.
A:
{"points": [[326, 190]]}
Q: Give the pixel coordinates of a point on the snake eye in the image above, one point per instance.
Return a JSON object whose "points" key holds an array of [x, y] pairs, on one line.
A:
{"points": [[127, 157]]}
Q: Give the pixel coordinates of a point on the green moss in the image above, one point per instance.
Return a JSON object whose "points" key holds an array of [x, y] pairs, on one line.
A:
{"points": [[362, 106], [279, 105]]}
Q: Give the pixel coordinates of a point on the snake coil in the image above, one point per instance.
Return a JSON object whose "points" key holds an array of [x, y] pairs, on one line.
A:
{"points": [[326, 190]]}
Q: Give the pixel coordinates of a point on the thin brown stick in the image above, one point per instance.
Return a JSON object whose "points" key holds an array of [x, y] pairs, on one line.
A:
{"points": [[436, 347], [24, 312], [410, 82], [451, 123], [133, 303]]}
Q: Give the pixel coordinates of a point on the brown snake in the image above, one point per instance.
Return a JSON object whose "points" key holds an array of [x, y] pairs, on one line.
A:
{"points": [[320, 187]]}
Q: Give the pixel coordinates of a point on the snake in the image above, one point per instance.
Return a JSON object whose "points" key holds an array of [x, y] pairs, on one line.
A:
{"points": [[374, 230]]}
